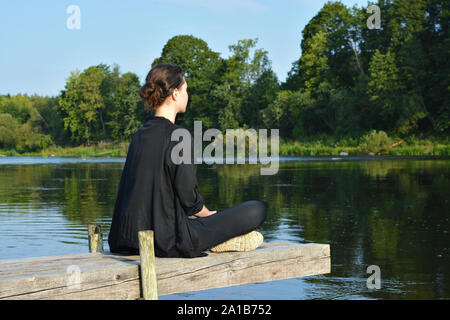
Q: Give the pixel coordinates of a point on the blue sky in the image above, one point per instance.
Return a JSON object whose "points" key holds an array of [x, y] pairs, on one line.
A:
{"points": [[38, 51]]}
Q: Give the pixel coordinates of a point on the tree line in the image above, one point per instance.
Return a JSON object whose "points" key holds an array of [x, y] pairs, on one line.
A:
{"points": [[348, 80]]}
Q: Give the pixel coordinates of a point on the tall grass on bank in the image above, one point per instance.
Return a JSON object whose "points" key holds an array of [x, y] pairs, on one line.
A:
{"points": [[374, 143], [102, 149], [318, 149], [319, 146]]}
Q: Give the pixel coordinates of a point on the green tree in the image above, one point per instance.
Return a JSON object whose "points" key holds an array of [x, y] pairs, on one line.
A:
{"points": [[7, 127], [108, 91], [202, 71], [407, 18], [314, 62], [287, 113], [261, 94], [435, 40], [82, 105], [229, 104], [30, 139], [242, 72], [327, 52], [18, 106], [49, 119], [124, 122], [384, 85]]}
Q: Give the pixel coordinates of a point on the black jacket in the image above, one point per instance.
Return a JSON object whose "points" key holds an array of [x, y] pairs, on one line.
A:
{"points": [[156, 194]]}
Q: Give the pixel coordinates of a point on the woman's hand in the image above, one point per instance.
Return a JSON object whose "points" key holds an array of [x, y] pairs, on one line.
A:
{"points": [[204, 212]]}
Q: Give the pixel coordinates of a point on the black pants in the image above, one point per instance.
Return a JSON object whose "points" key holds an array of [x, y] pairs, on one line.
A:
{"points": [[229, 223]]}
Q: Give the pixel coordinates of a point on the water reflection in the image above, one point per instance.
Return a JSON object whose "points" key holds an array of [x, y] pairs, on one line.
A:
{"points": [[393, 213]]}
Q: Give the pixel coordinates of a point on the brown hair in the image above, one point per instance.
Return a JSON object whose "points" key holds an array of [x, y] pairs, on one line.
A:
{"points": [[160, 83]]}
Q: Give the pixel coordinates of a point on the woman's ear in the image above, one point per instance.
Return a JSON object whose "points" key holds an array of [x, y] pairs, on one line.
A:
{"points": [[174, 94]]}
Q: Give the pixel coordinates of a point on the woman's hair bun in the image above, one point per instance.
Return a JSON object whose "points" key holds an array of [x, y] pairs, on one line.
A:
{"points": [[160, 83], [146, 90]]}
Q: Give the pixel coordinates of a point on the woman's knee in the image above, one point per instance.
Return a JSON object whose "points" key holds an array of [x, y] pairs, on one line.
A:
{"points": [[256, 213]]}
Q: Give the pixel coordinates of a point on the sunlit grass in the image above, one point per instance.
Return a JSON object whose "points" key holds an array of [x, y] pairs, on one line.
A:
{"points": [[98, 150], [321, 146]]}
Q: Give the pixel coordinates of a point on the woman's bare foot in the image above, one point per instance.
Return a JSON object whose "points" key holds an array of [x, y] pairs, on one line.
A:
{"points": [[205, 212]]}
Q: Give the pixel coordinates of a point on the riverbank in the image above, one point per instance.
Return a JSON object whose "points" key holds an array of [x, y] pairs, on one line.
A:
{"points": [[404, 149], [322, 147], [98, 150]]}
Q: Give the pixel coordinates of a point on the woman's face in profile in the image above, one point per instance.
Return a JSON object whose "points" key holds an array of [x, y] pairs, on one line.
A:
{"points": [[183, 97]]}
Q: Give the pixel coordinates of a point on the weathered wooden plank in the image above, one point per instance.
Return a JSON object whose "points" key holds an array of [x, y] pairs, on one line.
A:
{"points": [[110, 276]]}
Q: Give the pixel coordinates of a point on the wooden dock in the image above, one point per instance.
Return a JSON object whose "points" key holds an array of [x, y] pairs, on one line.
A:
{"points": [[111, 276]]}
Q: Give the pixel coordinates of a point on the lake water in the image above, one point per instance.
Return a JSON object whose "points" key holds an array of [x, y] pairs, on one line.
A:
{"points": [[390, 212]]}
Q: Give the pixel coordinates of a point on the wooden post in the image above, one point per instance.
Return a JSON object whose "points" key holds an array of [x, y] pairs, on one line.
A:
{"points": [[95, 238], [148, 271]]}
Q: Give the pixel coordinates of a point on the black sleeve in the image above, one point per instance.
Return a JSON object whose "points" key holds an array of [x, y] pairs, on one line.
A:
{"points": [[184, 180]]}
